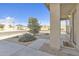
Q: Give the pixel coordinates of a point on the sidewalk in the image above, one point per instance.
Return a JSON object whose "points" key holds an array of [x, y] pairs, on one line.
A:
{"points": [[5, 35]]}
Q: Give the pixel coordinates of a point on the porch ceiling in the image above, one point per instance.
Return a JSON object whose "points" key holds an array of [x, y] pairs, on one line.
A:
{"points": [[65, 9]]}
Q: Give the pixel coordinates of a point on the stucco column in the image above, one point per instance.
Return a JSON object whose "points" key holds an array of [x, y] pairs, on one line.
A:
{"points": [[71, 18], [72, 40], [68, 27], [76, 26], [55, 26]]}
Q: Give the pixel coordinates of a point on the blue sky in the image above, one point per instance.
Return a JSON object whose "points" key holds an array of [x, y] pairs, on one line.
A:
{"points": [[21, 12]]}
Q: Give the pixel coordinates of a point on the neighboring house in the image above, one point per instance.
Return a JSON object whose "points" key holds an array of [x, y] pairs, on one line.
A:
{"points": [[45, 28], [21, 27]]}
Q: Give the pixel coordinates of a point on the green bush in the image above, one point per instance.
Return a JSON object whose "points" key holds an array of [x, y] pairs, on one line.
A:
{"points": [[26, 38]]}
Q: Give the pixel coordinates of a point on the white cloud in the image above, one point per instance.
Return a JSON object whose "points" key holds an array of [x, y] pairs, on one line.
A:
{"points": [[9, 17], [7, 20]]}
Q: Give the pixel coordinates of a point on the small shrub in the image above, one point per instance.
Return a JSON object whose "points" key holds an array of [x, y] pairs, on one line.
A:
{"points": [[27, 38], [46, 33]]}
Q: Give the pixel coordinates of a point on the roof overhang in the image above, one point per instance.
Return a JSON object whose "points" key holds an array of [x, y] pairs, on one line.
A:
{"points": [[65, 9]]}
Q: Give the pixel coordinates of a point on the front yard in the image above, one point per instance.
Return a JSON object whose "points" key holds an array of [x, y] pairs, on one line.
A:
{"points": [[16, 38]]}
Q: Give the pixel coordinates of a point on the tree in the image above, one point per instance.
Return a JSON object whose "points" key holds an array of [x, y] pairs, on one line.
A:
{"points": [[1, 26], [33, 25], [19, 27], [10, 26]]}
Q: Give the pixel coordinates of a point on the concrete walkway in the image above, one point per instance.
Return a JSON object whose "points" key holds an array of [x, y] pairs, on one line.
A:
{"points": [[38, 43], [13, 49]]}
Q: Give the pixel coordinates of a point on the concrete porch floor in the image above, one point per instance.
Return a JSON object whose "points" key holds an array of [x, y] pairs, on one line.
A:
{"points": [[13, 49]]}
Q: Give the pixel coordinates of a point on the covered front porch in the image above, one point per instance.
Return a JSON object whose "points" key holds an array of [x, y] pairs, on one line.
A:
{"points": [[59, 12]]}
